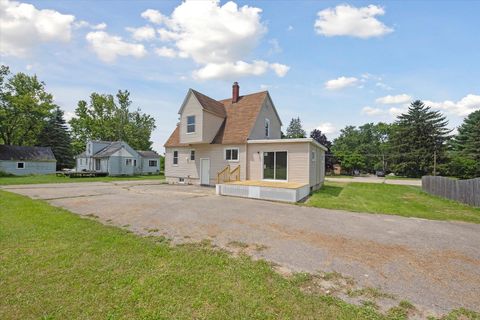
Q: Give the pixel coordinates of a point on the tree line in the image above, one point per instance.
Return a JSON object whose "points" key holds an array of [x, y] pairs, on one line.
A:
{"points": [[417, 143], [29, 117]]}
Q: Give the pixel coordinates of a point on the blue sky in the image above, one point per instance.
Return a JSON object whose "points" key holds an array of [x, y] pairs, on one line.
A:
{"points": [[330, 63]]}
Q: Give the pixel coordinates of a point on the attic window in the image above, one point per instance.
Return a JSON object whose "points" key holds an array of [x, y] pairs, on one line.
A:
{"points": [[267, 128], [190, 124]]}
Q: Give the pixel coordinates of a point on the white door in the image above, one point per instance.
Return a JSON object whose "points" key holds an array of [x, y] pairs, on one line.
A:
{"points": [[205, 171]]}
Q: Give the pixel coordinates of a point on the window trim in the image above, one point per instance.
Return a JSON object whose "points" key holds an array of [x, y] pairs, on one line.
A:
{"points": [[149, 163], [22, 162], [267, 128], [194, 124], [173, 158], [231, 160], [128, 160], [194, 155]]}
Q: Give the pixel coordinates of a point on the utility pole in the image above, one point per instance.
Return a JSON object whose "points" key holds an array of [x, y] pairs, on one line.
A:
{"points": [[435, 162]]}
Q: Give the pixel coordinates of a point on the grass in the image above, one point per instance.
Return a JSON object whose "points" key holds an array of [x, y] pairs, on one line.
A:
{"points": [[57, 265], [400, 178], [341, 176], [407, 201], [51, 178]]}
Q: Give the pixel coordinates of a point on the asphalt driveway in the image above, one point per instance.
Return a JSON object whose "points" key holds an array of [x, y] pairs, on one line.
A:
{"points": [[433, 264]]}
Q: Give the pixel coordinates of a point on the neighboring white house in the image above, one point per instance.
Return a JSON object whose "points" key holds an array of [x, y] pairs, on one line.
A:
{"points": [[22, 160], [117, 158], [243, 132]]}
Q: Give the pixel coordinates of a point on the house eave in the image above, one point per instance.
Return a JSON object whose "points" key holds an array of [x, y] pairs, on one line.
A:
{"points": [[298, 140]]}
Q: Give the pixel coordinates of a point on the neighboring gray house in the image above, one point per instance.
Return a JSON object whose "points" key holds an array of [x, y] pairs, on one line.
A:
{"points": [[117, 158], [20, 160]]}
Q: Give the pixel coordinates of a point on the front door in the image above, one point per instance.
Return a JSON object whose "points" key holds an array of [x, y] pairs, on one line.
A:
{"points": [[205, 171], [97, 164]]}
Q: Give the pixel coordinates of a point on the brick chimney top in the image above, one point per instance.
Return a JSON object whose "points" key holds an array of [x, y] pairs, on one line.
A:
{"points": [[235, 92]]}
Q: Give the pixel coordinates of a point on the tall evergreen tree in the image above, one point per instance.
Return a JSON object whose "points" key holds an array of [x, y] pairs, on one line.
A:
{"points": [[295, 129], [465, 155], [419, 141], [55, 134], [322, 139]]}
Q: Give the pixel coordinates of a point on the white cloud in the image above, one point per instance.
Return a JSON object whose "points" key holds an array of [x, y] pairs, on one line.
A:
{"points": [[290, 28], [274, 46], [166, 52], [340, 83], [218, 37], [108, 47], [153, 16], [345, 20], [86, 24], [398, 99], [394, 111], [327, 128], [369, 111], [23, 27], [145, 33], [280, 69], [383, 86], [463, 107]]}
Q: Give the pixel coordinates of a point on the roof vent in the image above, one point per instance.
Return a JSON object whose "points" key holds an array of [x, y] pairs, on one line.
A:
{"points": [[235, 92]]}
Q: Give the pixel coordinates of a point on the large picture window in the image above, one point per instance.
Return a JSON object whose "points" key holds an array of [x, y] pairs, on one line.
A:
{"points": [[152, 163], [231, 154], [190, 124], [275, 165]]}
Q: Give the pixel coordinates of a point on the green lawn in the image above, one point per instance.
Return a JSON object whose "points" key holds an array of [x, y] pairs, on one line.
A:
{"points": [[51, 178], [407, 201], [400, 178], [57, 265]]}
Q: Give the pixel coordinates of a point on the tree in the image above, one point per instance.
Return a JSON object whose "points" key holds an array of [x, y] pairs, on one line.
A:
{"points": [[465, 148], [363, 148], [295, 129], [318, 136], [55, 135], [419, 141], [105, 118], [24, 108]]}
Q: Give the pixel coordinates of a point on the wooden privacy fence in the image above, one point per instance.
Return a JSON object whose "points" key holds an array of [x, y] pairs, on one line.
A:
{"points": [[466, 191]]}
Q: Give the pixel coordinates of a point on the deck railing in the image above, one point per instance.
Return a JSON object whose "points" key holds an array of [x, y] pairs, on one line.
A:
{"points": [[227, 175]]}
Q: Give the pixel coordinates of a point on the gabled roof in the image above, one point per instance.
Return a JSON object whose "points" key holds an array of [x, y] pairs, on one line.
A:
{"points": [[238, 123], [148, 154], [209, 104], [26, 153], [109, 150]]}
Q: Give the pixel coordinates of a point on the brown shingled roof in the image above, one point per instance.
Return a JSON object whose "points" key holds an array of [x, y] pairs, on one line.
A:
{"points": [[239, 121], [210, 104]]}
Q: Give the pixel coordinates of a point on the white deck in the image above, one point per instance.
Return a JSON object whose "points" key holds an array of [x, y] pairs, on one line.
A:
{"points": [[265, 190]]}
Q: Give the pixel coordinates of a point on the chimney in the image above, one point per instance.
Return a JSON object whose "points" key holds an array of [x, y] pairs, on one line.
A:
{"points": [[235, 92]]}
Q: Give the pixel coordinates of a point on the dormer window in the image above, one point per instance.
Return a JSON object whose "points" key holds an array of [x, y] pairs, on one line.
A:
{"points": [[267, 128], [190, 124]]}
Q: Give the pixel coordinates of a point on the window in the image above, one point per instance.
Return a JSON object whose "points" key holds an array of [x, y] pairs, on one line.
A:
{"points": [[190, 124], [135, 162], [128, 162], [81, 161], [20, 165], [192, 155], [275, 165], [175, 157], [152, 163], [231, 154], [314, 156], [267, 128]]}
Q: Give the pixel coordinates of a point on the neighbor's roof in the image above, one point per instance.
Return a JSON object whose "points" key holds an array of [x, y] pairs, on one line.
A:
{"points": [[238, 123], [148, 154], [26, 153]]}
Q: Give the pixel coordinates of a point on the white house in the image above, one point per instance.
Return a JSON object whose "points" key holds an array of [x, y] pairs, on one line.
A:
{"points": [[239, 138], [117, 158]]}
